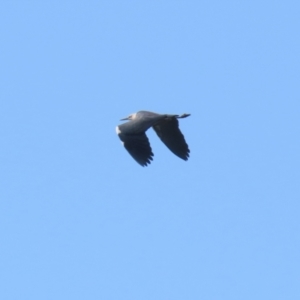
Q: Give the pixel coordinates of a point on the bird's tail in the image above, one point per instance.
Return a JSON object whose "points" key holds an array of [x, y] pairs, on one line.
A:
{"points": [[183, 116]]}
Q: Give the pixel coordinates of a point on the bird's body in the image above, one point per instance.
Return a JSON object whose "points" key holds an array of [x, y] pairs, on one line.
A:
{"points": [[166, 126], [140, 122]]}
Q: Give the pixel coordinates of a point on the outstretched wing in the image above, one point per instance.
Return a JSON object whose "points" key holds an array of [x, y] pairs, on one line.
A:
{"points": [[170, 134], [138, 147]]}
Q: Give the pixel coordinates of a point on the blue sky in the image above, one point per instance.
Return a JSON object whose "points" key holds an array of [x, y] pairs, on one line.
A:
{"points": [[80, 219]]}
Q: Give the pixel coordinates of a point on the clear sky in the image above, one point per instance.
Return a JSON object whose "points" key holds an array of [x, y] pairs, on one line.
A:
{"points": [[80, 219]]}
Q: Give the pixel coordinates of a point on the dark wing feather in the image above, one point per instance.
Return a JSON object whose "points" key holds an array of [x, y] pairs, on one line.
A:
{"points": [[138, 147], [168, 131]]}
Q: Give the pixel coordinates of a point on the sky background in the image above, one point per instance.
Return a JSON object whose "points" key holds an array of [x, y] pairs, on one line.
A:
{"points": [[80, 219]]}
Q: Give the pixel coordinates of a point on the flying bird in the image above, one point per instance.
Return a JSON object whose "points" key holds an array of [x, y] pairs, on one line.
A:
{"points": [[133, 136]]}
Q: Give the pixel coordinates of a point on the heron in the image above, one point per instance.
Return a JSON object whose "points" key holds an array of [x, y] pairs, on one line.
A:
{"points": [[133, 135]]}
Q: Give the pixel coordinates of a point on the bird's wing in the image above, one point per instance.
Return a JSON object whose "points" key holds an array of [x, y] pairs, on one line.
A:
{"points": [[138, 147], [168, 131]]}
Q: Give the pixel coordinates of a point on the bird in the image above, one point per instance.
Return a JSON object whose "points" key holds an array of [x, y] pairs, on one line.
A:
{"points": [[133, 135]]}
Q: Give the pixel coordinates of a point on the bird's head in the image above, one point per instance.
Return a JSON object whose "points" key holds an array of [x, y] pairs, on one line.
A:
{"points": [[130, 117]]}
